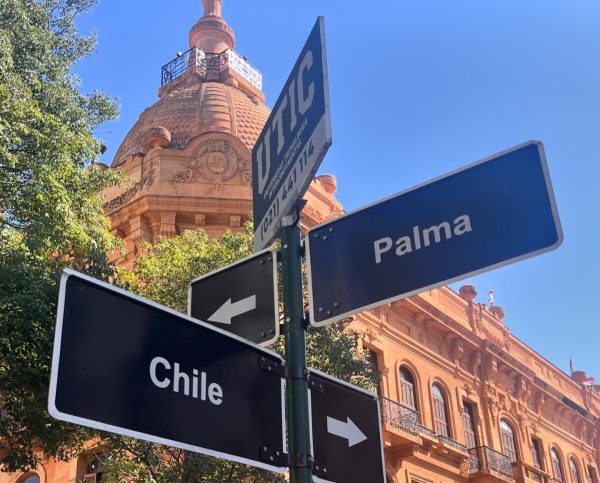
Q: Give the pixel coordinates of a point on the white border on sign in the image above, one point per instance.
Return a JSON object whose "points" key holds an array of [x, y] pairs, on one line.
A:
{"points": [[450, 280], [55, 413], [354, 388], [233, 265]]}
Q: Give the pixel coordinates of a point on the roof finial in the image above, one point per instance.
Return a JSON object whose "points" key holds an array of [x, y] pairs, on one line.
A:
{"points": [[211, 33], [212, 7]]}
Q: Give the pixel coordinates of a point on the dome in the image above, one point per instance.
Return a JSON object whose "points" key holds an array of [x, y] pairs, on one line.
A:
{"points": [[192, 108]]}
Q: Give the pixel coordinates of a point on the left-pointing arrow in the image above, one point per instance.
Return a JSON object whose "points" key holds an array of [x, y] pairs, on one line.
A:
{"points": [[347, 430], [229, 310]]}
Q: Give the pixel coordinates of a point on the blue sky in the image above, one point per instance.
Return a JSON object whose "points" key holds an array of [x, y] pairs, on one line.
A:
{"points": [[419, 88]]}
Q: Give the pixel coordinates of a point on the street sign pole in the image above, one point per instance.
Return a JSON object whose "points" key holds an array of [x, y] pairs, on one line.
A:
{"points": [[295, 353]]}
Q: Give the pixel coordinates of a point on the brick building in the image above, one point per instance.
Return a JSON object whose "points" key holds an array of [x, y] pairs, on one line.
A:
{"points": [[462, 399]]}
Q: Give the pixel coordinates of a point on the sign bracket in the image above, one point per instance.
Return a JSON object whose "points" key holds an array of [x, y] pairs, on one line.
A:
{"points": [[300, 460], [273, 456], [287, 372], [271, 366]]}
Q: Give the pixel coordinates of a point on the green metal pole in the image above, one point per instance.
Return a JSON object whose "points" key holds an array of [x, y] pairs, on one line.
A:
{"points": [[295, 356]]}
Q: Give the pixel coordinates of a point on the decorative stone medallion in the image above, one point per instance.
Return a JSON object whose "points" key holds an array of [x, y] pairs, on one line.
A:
{"points": [[214, 161]]}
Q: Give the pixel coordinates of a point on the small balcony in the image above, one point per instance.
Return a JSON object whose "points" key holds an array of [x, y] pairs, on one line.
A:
{"points": [[487, 465], [212, 67], [404, 432], [400, 422], [451, 449]]}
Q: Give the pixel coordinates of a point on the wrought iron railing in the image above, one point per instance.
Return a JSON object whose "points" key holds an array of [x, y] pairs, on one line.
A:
{"points": [[209, 66], [484, 459], [407, 419], [400, 416], [193, 59], [450, 442], [427, 432]]}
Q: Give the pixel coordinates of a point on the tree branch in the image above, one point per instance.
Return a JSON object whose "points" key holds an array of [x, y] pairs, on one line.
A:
{"points": [[12, 225], [143, 458]]}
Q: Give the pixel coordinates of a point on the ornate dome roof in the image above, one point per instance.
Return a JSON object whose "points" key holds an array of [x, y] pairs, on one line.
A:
{"points": [[209, 88], [192, 109]]}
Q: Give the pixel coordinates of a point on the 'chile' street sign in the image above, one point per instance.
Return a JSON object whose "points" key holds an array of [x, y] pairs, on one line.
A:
{"points": [[294, 140], [486, 215], [129, 366]]}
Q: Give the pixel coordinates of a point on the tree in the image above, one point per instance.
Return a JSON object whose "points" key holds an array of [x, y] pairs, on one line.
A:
{"points": [[163, 275], [50, 210]]}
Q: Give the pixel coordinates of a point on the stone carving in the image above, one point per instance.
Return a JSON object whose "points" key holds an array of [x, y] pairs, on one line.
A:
{"points": [[502, 402], [212, 7], [457, 350], [521, 390], [179, 139], [334, 212], [214, 161], [493, 408], [539, 402], [246, 175], [313, 214], [490, 369], [146, 182]]}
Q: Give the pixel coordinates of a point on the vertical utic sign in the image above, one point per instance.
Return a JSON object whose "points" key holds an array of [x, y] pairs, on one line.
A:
{"points": [[294, 140]]}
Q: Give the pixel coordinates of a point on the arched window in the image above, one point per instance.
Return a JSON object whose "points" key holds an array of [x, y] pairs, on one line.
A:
{"points": [[440, 411], [556, 465], [574, 471], [509, 446], [407, 389]]}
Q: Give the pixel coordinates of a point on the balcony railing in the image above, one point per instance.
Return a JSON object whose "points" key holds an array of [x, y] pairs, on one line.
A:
{"points": [[427, 432], [400, 416], [193, 59], [450, 442], [209, 66], [483, 460], [407, 419]]}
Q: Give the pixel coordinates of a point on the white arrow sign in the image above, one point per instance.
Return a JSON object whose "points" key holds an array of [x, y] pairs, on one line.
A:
{"points": [[229, 310], [347, 430]]}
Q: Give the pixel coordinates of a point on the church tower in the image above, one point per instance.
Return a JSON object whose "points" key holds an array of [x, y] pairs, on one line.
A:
{"points": [[188, 156]]}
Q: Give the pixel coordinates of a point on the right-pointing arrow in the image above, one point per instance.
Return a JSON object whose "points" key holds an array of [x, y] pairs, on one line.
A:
{"points": [[347, 430]]}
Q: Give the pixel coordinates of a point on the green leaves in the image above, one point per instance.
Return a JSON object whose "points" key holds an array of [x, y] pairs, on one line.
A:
{"points": [[50, 211], [163, 275]]}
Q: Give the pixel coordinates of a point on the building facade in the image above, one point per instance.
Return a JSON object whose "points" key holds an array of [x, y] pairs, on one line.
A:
{"points": [[462, 399]]}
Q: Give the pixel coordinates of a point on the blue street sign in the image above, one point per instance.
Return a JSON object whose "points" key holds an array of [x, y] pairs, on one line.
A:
{"points": [[241, 298], [294, 140], [486, 215], [345, 432], [127, 365]]}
